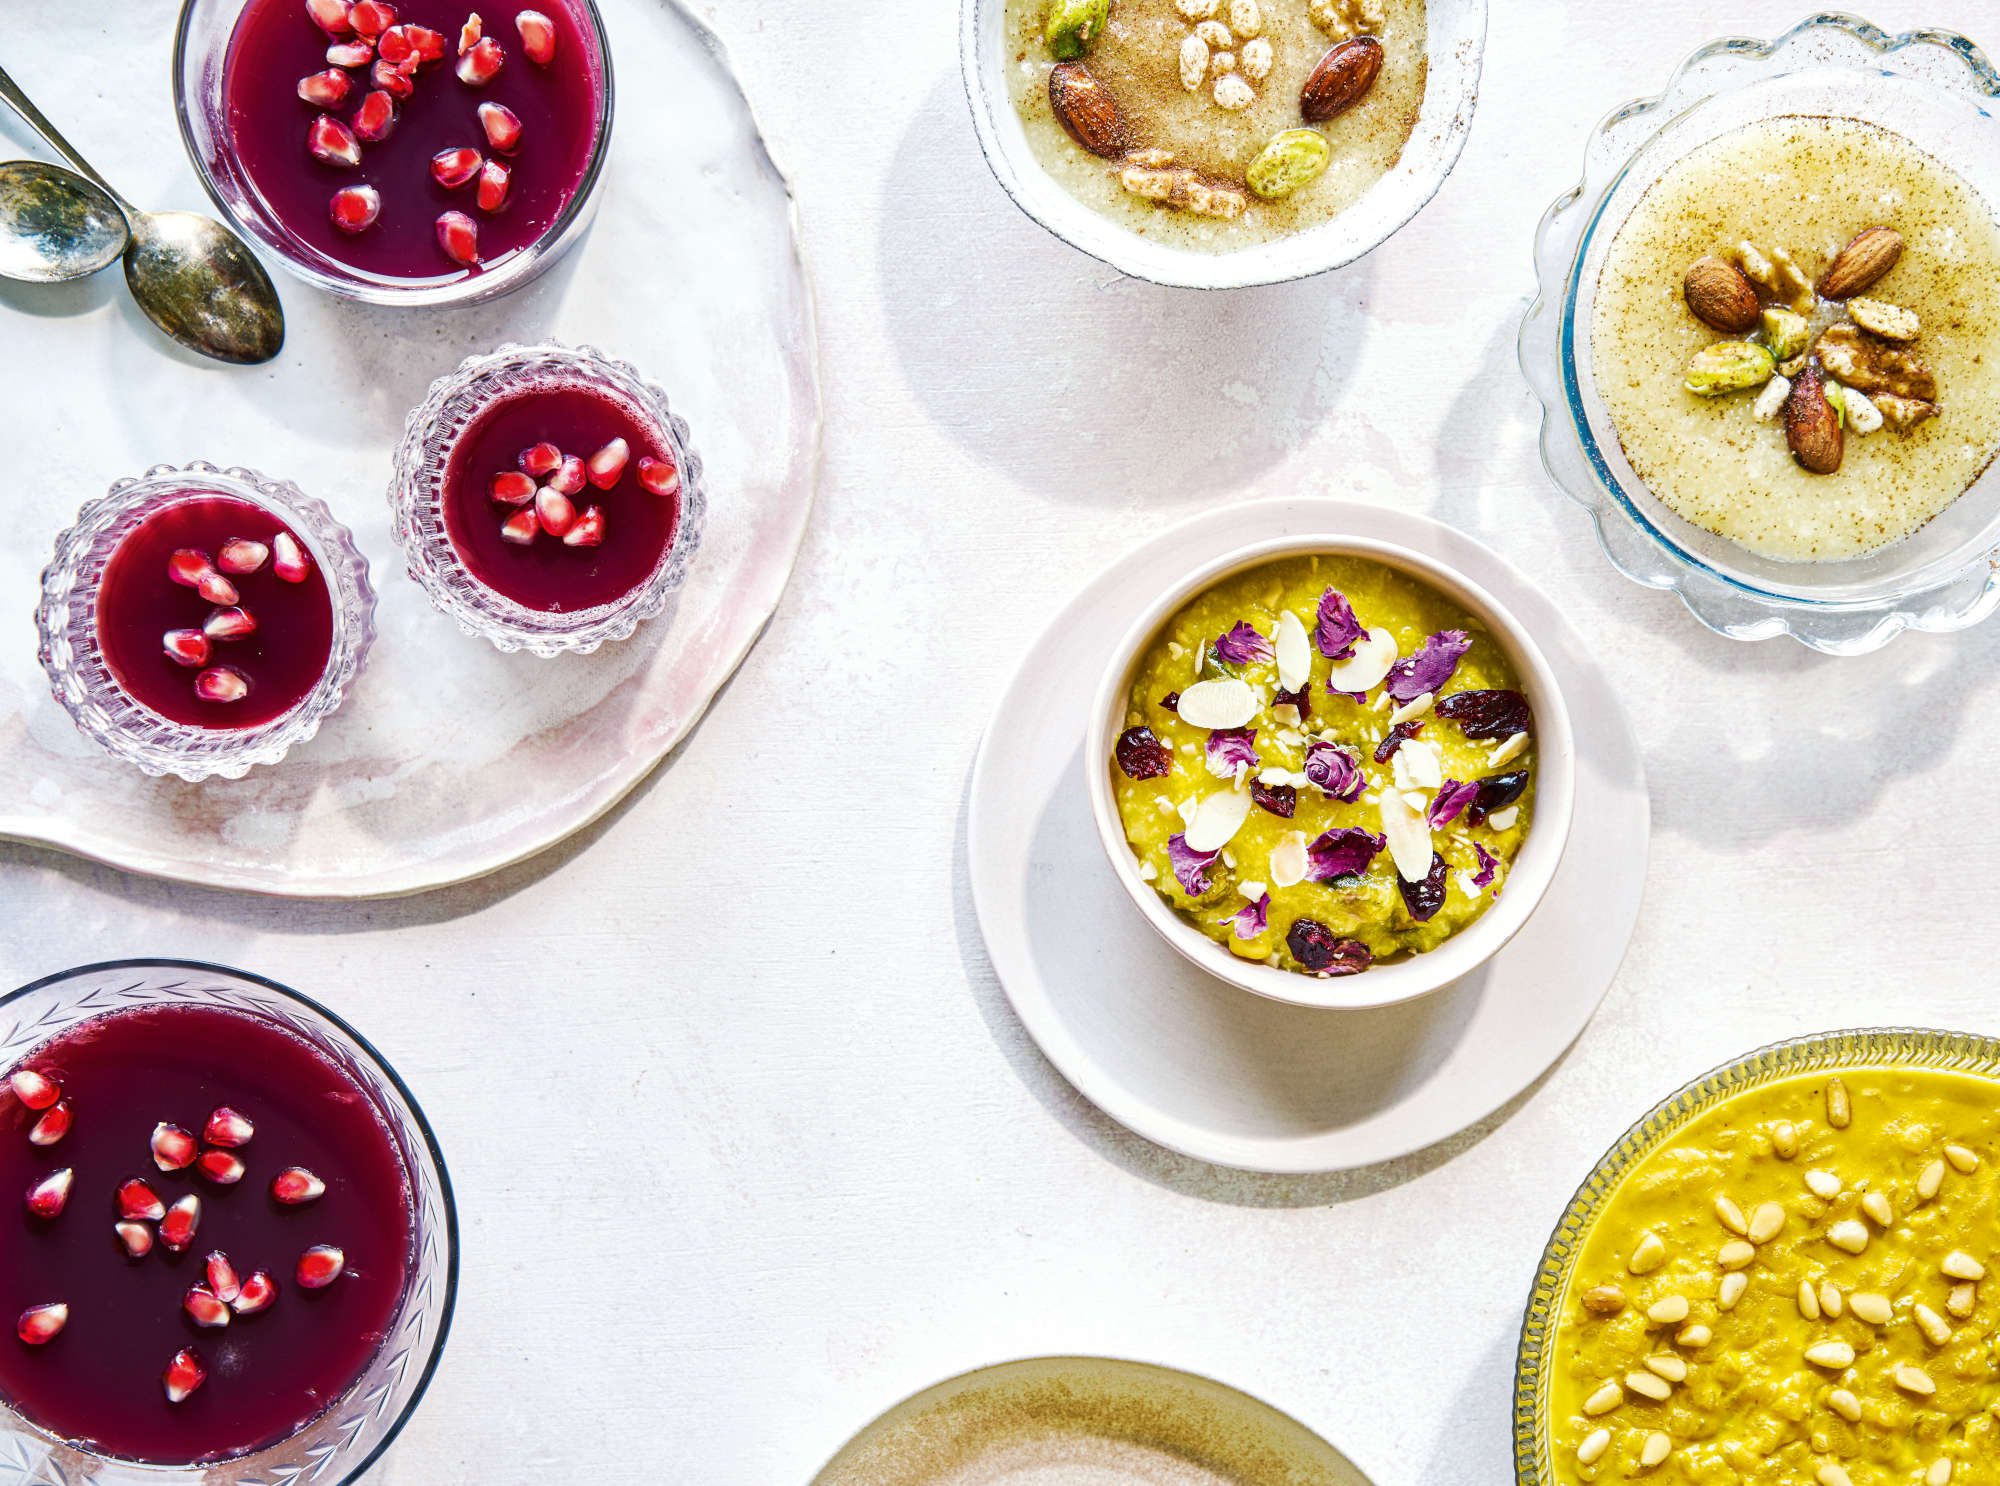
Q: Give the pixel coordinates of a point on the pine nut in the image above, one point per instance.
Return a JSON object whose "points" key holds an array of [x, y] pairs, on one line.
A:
{"points": [[1962, 1159], [1735, 1254], [1604, 1400], [1931, 1324], [1593, 1447], [1929, 1180], [1656, 1449], [1647, 1386], [1694, 1337], [1733, 1286], [1845, 1404], [1649, 1256], [1963, 1300], [1605, 1300], [1848, 1234], [1808, 1301], [1834, 1354], [1876, 1205], [1823, 1184], [1938, 1474], [1668, 1312], [1830, 1303], [1784, 1140], [1913, 1379], [1730, 1216], [1673, 1369], [1830, 1474], [1767, 1222], [1870, 1307], [1962, 1266], [1839, 1110]]}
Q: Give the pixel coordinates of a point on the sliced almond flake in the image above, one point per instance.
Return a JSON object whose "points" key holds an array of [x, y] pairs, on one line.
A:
{"points": [[1251, 890], [1418, 765], [1294, 648], [1298, 779], [1217, 819], [1503, 820], [1363, 671], [1176, 649], [1507, 752], [1148, 871], [1164, 805], [1187, 808], [1229, 859], [1187, 748], [1286, 713], [1223, 703], [1381, 700], [1288, 860], [1272, 778], [1417, 800], [1409, 837], [1290, 739], [1370, 797], [1417, 706]]}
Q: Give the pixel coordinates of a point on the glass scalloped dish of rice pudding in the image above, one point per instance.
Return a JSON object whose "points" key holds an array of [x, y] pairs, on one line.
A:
{"points": [[1797, 335], [1792, 1290], [1325, 763], [1215, 125]]}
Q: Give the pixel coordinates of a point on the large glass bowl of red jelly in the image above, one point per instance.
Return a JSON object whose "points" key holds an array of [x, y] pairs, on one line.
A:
{"points": [[217, 675], [331, 1208], [392, 150]]}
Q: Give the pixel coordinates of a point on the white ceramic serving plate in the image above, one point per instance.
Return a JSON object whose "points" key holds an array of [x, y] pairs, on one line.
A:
{"points": [[1456, 32], [1192, 1063], [1392, 981]]}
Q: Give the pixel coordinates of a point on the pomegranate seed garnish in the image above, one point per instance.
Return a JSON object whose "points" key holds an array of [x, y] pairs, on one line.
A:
{"points": [[538, 36], [178, 1226], [47, 1197], [494, 179], [397, 80], [453, 168], [295, 1185], [326, 89], [569, 477], [222, 1278], [173, 1147], [36, 1090], [190, 568], [222, 684], [331, 16], [137, 1238], [40, 1323], [512, 488], [183, 1375], [458, 235], [229, 624], [469, 33], [428, 45], [375, 118], [224, 1168], [240, 555], [394, 45], [203, 1308], [555, 511], [189, 647], [355, 208], [521, 528], [320, 1265], [52, 1126], [481, 65], [217, 589], [371, 18], [288, 558], [137, 1200], [350, 53], [333, 142], [226, 1127], [539, 460], [502, 126], [258, 1293], [588, 531], [661, 476], [607, 465]]}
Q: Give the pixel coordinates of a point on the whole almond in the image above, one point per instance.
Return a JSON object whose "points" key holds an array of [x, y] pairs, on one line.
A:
{"points": [[1085, 107], [1340, 79], [1855, 267], [1812, 428], [1721, 297]]}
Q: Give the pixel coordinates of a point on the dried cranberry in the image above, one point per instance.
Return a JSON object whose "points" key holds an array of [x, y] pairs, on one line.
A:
{"points": [[1279, 799], [1143, 756], [1387, 747], [1496, 792], [1425, 898], [1319, 950], [1487, 714], [1172, 702], [1301, 699]]}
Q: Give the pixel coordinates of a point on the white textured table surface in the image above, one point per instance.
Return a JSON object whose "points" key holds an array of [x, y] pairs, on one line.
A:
{"points": [[747, 1144]]}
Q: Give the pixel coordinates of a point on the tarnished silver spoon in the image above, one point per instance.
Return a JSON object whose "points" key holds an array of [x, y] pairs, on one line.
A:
{"points": [[193, 277], [55, 225]]}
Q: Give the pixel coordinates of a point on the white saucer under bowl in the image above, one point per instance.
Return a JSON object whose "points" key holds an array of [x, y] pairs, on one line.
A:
{"points": [[1196, 1065]]}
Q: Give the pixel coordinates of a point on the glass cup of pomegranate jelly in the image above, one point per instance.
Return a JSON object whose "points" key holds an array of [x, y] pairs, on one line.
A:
{"points": [[414, 152], [201, 621], [236, 1252], [547, 499]]}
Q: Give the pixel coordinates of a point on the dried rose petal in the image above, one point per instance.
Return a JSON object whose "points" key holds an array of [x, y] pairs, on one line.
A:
{"points": [[1386, 749], [1338, 629], [1487, 863], [1230, 749], [1301, 699], [1497, 792], [1251, 919], [1322, 952], [1190, 866], [1450, 802], [1243, 645], [1279, 799], [1429, 669], [1336, 771], [1344, 852], [1425, 898], [1143, 756], [1487, 714]]}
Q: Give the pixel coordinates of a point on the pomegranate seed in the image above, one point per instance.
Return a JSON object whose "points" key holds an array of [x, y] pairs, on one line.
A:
{"points": [[295, 1185], [320, 1265], [481, 65], [224, 1168], [588, 531], [229, 624], [427, 45], [538, 36], [502, 126], [190, 568], [333, 142], [178, 1226], [539, 460], [661, 476], [350, 54], [607, 465], [375, 118], [326, 89], [458, 235], [173, 1147], [52, 1126], [394, 46], [512, 488], [222, 684], [397, 80], [240, 555], [188, 647], [222, 1279], [494, 179], [453, 168], [226, 1127], [137, 1200], [48, 1196], [521, 528], [183, 1375], [137, 1238], [203, 1308], [569, 477], [355, 208], [40, 1323], [555, 511], [469, 33], [288, 558], [331, 16], [258, 1293], [371, 18], [34, 1089]]}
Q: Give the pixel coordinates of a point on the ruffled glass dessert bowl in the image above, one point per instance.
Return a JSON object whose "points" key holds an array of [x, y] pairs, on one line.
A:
{"points": [[1934, 89], [199, 622]]}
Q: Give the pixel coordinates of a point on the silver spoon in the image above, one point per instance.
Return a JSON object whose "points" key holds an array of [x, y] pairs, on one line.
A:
{"points": [[192, 276], [55, 225]]}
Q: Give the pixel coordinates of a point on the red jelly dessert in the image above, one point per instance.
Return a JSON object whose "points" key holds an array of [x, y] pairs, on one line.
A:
{"points": [[212, 614], [419, 140], [214, 1237], [562, 498]]}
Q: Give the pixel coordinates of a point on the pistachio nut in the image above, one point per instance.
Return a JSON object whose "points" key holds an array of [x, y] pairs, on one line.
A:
{"points": [[1293, 158], [1785, 331], [1729, 366], [1072, 25]]}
